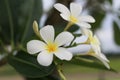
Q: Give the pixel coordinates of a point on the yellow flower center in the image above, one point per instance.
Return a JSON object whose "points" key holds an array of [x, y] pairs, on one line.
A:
{"points": [[73, 19], [51, 47], [91, 52], [94, 41]]}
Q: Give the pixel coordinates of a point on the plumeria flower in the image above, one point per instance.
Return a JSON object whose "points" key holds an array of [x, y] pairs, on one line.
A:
{"points": [[95, 48], [73, 15], [50, 46]]}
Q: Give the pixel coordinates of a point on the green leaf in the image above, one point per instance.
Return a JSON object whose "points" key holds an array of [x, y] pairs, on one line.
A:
{"points": [[61, 26], [32, 10], [4, 23], [28, 66], [98, 17], [116, 33], [16, 18], [111, 1], [89, 63]]}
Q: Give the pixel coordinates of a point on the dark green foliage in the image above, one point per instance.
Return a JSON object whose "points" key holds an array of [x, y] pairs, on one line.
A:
{"points": [[111, 1], [116, 33], [99, 18], [89, 63], [16, 18], [45, 78], [28, 66]]}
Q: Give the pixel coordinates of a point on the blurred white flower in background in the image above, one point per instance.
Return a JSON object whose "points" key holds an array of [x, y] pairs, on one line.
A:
{"points": [[74, 15]]}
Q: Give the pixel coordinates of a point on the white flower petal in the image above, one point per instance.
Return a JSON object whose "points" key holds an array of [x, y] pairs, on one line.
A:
{"points": [[47, 33], [97, 40], [96, 48], [65, 13], [65, 17], [83, 25], [63, 54], [75, 9], [87, 19], [103, 61], [79, 50], [87, 32], [35, 46], [63, 38], [45, 58], [104, 57]]}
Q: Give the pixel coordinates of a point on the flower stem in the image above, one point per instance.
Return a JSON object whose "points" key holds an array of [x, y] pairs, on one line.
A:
{"points": [[68, 26], [59, 69], [61, 74]]}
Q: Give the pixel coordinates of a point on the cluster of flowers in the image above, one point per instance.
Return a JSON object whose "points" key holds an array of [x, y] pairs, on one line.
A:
{"points": [[49, 46]]}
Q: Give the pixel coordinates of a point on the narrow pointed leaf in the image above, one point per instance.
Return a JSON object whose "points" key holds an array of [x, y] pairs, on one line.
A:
{"points": [[90, 64]]}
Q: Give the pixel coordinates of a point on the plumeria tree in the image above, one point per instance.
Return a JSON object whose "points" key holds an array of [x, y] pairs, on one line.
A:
{"points": [[39, 53]]}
